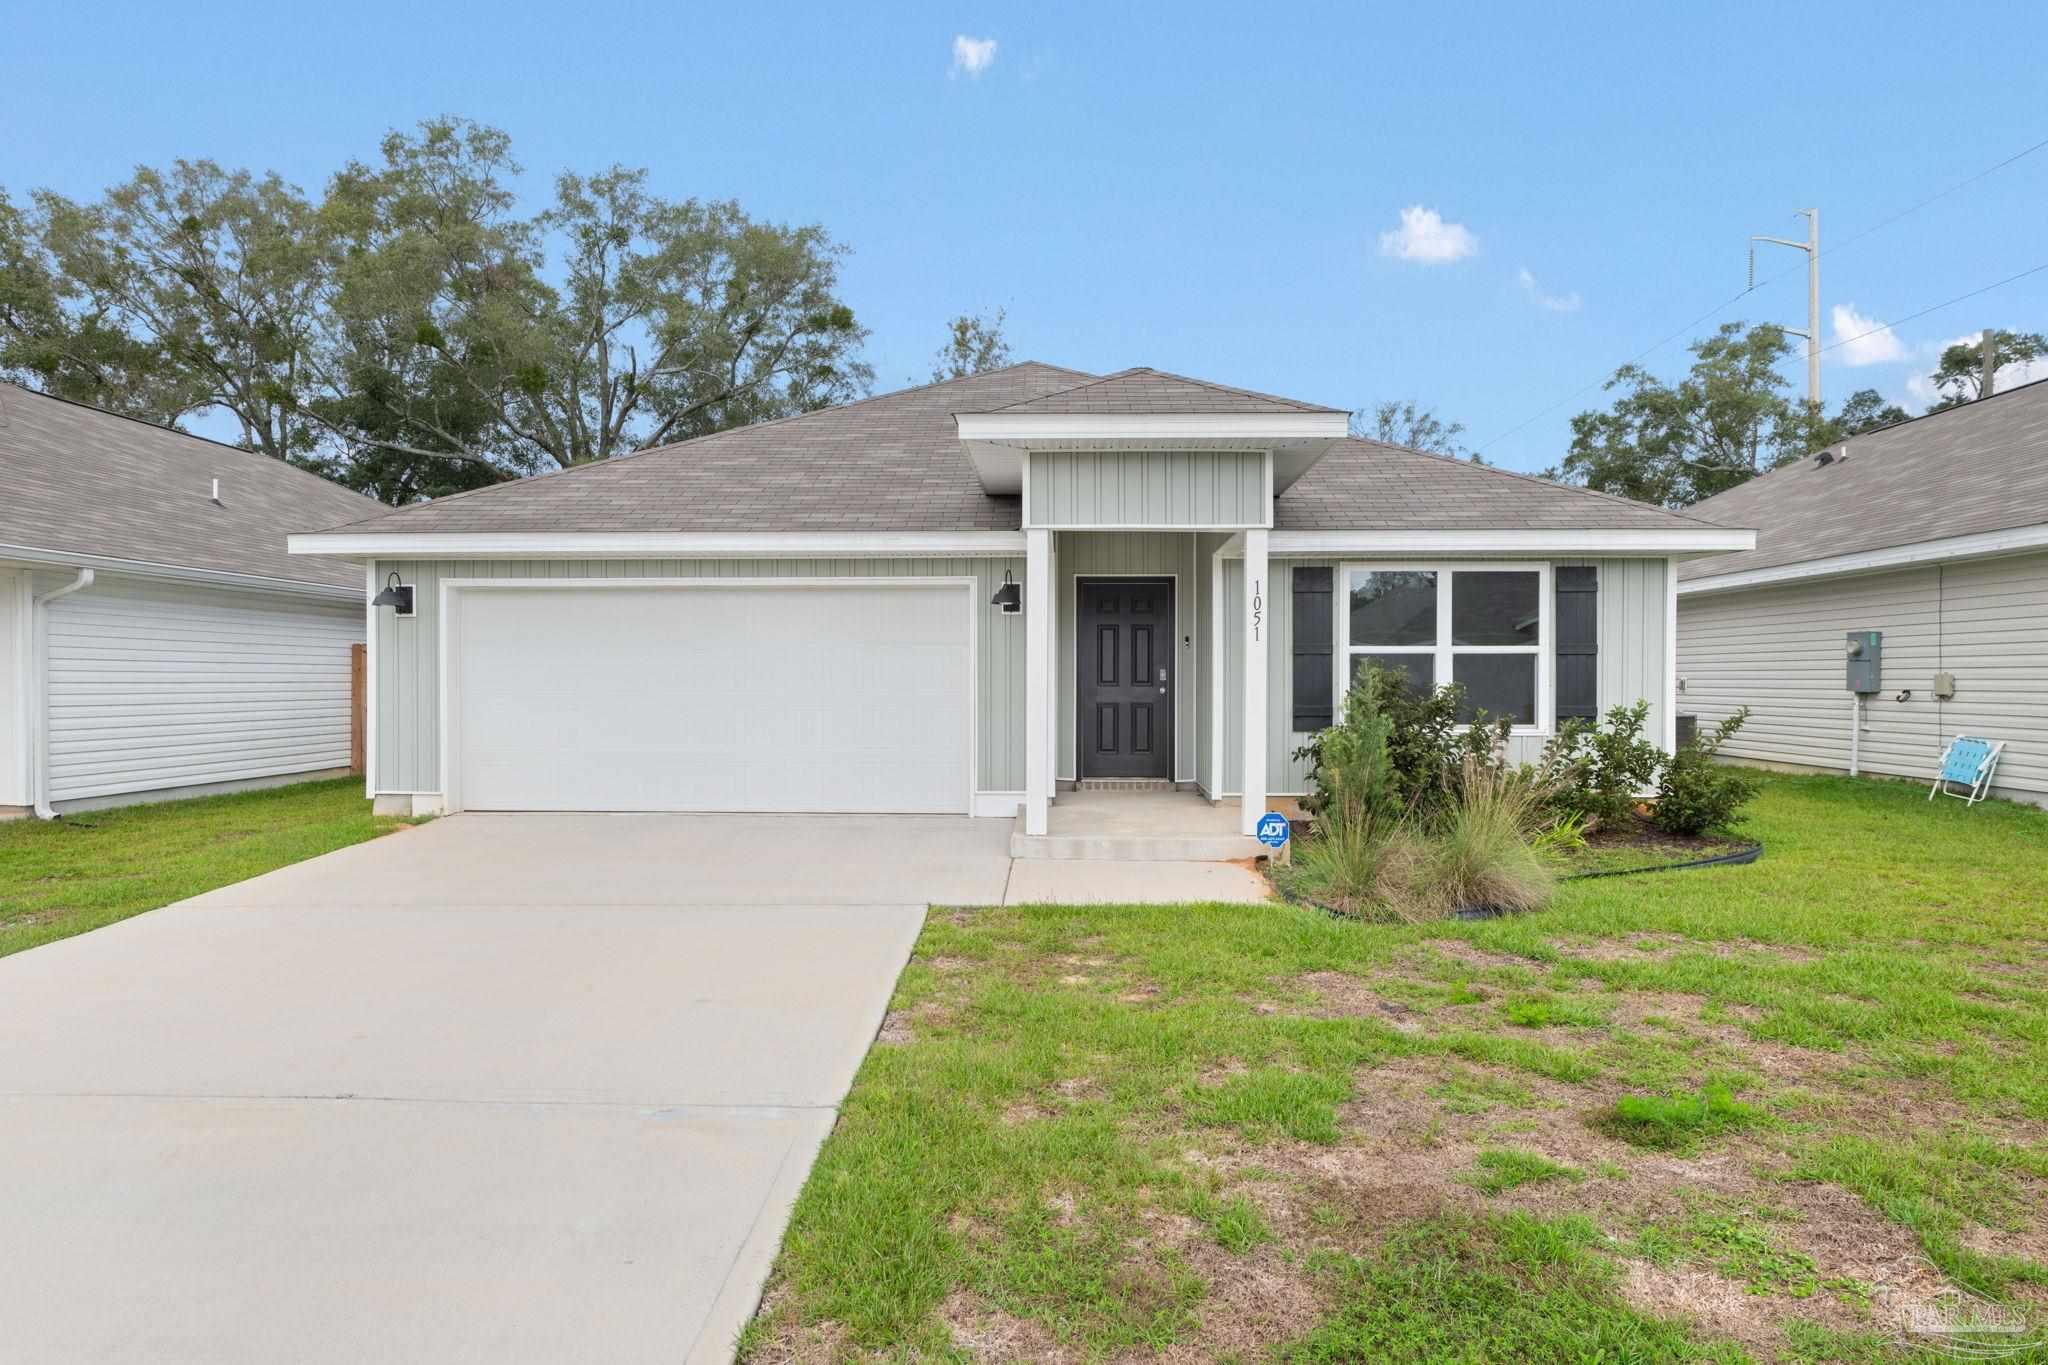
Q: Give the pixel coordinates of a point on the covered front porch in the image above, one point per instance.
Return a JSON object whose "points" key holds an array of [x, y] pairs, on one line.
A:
{"points": [[1146, 699]]}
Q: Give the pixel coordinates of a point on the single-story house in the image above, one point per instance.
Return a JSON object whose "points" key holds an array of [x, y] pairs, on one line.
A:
{"points": [[973, 596], [1933, 533], [156, 639]]}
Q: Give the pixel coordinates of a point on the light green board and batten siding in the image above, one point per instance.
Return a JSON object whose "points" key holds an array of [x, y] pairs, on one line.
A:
{"points": [[408, 650], [1163, 489]]}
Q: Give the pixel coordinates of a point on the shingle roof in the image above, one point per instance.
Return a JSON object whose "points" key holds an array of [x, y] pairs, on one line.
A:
{"points": [[889, 463], [1142, 391], [76, 480], [1982, 466], [1364, 485], [895, 463]]}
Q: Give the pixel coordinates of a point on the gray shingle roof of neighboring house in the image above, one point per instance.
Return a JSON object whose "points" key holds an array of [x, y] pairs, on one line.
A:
{"points": [[1141, 391], [895, 463], [78, 481], [1979, 467]]}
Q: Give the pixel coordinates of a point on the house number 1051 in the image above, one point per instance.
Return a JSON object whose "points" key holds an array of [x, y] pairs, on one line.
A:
{"points": [[1258, 606]]}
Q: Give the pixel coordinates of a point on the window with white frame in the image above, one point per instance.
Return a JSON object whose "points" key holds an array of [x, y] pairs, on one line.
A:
{"points": [[1483, 626]]}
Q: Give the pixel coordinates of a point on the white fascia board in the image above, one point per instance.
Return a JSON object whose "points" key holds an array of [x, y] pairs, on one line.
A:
{"points": [[667, 545], [1980, 545], [177, 573], [1024, 428], [1661, 544]]}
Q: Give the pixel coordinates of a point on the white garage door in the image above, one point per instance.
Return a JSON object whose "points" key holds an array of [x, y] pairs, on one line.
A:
{"points": [[819, 696]]}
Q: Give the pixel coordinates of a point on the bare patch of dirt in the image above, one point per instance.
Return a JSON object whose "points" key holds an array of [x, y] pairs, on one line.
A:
{"points": [[988, 1333], [1481, 959], [951, 964], [900, 1026], [1635, 948], [1078, 1089], [1229, 1068], [1342, 996], [1254, 1301], [816, 1344], [1026, 1111]]}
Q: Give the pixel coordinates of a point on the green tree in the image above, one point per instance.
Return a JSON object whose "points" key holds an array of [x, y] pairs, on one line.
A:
{"points": [[179, 291], [1727, 421], [1408, 423], [1959, 374], [973, 344], [1866, 410], [410, 334]]}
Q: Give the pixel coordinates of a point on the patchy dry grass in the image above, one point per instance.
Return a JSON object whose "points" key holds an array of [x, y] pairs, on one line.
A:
{"points": [[1719, 1115]]}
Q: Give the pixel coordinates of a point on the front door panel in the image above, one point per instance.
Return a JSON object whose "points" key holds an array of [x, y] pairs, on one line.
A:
{"points": [[1125, 699]]}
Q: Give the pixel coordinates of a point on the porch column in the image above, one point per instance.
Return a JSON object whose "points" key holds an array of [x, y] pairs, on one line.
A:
{"points": [[1038, 616], [1256, 615]]}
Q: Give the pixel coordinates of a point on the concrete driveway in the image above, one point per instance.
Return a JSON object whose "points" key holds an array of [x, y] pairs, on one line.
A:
{"points": [[501, 1088]]}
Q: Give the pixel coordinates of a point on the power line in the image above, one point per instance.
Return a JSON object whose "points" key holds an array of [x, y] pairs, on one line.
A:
{"points": [[1737, 297], [1937, 307]]}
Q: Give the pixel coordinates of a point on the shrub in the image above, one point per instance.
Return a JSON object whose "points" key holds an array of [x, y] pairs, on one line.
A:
{"points": [[1601, 770], [1425, 749], [1477, 852], [1698, 794]]}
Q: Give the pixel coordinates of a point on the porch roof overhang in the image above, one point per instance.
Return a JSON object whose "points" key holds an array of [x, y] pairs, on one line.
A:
{"points": [[996, 442]]}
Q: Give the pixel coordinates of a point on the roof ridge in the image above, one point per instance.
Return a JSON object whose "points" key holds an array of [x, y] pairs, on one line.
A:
{"points": [[270, 461], [751, 426], [1537, 479], [1238, 390], [1076, 388]]}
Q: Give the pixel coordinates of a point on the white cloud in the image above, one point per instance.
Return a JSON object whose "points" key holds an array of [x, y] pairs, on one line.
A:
{"points": [[1556, 303], [972, 55], [1865, 341], [1426, 238]]}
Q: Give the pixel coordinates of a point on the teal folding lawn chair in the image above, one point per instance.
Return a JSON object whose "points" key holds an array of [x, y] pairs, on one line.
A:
{"points": [[1969, 763]]}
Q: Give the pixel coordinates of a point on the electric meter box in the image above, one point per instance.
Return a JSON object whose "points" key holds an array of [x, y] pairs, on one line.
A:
{"points": [[1866, 660]]}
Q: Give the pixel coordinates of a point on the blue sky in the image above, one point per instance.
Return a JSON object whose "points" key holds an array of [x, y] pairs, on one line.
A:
{"points": [[1201, 188]]}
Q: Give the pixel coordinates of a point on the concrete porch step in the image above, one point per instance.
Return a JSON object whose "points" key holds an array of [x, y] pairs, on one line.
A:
{"points": [[1137, 827]]}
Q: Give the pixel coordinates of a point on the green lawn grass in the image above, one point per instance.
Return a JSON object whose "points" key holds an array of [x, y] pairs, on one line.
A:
{"points": [[1258, 1132], [63, 877]]}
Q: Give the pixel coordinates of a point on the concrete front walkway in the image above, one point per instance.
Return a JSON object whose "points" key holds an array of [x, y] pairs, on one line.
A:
{"points": [[500, 1088]]}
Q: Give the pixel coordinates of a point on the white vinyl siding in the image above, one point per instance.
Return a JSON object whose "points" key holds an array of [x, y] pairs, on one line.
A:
{"points": [[406, 653], [1154, 488], [14, 688], [154, 686], [1779, 651]]}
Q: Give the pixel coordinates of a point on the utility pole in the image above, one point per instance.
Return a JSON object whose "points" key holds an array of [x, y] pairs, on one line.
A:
{"points": [[1988, 360], [1811, 246]]}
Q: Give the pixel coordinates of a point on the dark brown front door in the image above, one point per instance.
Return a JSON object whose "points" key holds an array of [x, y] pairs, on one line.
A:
{"points": [[1125, 697]]}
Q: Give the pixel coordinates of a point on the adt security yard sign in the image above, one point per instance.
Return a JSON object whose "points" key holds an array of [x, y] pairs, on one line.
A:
{"points": [[1273, 829]]}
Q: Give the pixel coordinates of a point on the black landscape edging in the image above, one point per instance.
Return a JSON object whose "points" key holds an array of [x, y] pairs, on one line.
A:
{"points": [[1738, 857]]}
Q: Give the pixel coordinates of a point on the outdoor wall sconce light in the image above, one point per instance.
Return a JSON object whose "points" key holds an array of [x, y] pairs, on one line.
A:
{"points": [[395, 594], [1009, 598]]}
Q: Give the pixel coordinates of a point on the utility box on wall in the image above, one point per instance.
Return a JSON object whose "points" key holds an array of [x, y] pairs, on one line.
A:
{"points": [[1866, 660]]}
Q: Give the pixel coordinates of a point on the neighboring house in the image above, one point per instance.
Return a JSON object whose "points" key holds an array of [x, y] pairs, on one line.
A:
{"points": [[156, 639], [1934, 532], [965, 597]]}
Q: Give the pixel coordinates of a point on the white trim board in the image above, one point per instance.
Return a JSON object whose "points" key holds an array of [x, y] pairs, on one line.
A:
{"points": [[667, 545], [1576, 544], [1981, 545], [1254, 428], [177, 573], [450, 623]]}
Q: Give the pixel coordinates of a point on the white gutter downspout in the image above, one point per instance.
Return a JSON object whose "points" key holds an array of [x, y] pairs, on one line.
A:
{"points": [[39, 706]]}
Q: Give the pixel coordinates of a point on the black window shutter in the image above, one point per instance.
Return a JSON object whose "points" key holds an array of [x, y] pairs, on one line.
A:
{"points": [[1313, 625], [1578, 643]]}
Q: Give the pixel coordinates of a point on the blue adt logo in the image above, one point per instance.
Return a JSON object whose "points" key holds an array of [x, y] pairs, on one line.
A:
{"points": [[1273, 829]]}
